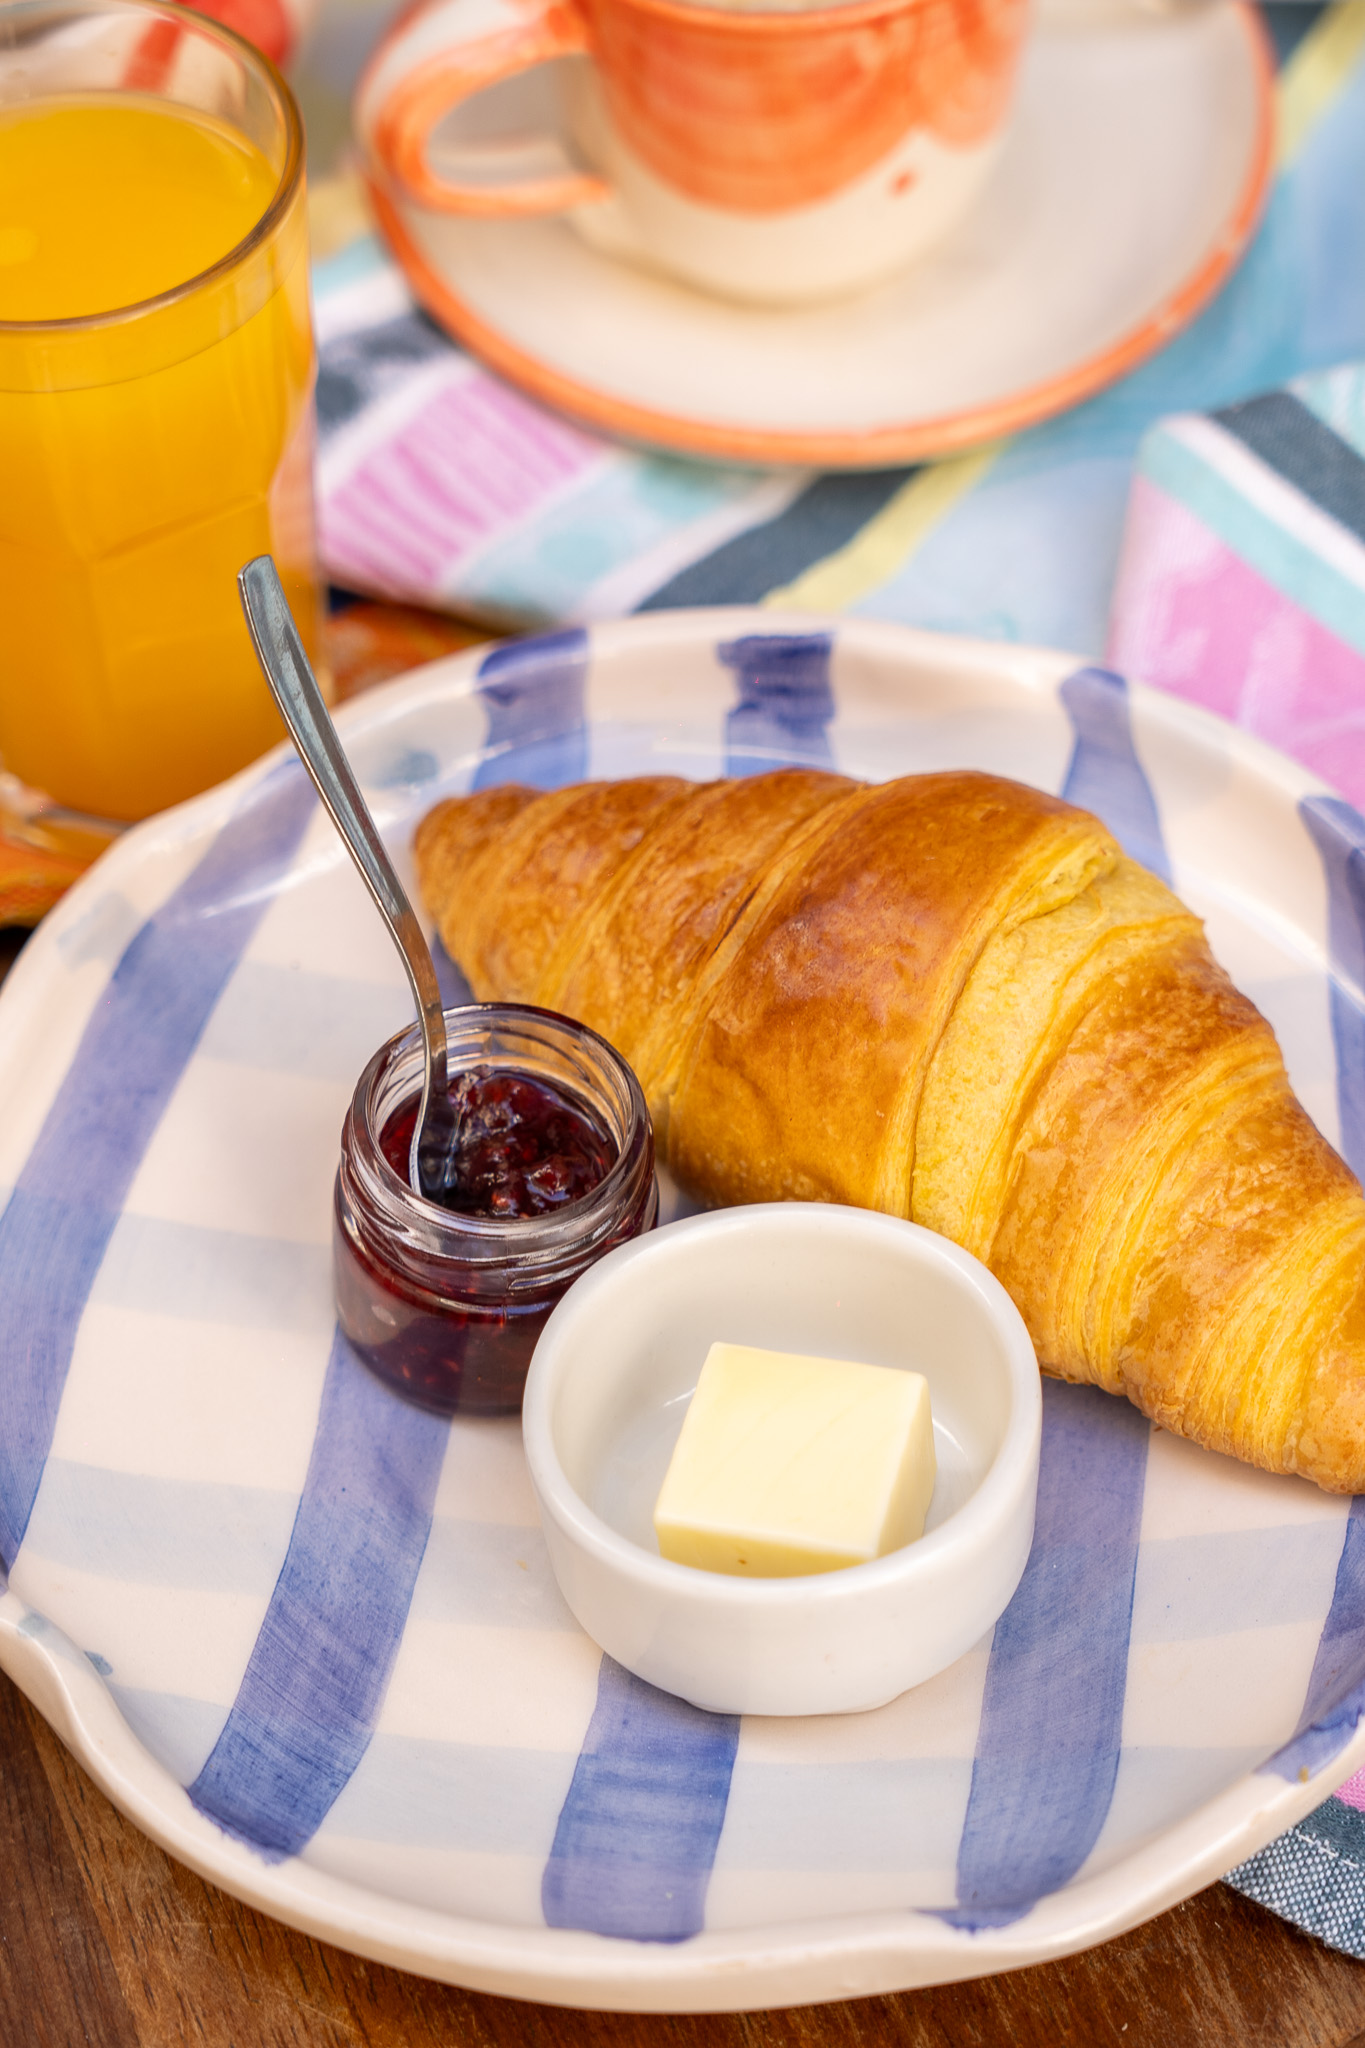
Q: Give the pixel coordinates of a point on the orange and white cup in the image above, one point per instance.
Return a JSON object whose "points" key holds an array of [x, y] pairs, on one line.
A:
{"points": [[768, 153]]}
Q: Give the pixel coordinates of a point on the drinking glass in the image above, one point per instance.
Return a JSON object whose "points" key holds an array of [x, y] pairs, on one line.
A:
{"points": [[153, 442]]}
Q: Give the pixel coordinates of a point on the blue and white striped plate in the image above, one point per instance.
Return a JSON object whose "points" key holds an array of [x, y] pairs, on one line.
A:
{"points": [[306, 1637]]}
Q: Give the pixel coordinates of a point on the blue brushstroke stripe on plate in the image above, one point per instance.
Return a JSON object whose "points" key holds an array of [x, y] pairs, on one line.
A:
{"points": [[786, 701], [1335, 1698], [307, 1704], [450, 979], [534, 693], [637, 1835], [1105, 775], [1052, 1717], [61, 1215], [1338, 832]]}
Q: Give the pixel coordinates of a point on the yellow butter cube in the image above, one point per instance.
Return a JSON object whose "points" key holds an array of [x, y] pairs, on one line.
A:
{"points": [[788, 1465]]}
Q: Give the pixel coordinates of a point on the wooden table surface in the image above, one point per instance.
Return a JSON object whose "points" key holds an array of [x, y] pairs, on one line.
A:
{"points": [[104, 1940]]}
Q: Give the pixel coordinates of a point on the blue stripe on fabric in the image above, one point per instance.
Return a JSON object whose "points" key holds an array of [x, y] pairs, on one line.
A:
{"points": [[1105, 775], [61, 1215], [1280, 429], [1337, 398], [535, 696], [1270, 546], [785, 702], [1312, 1876], [359, 368], [615, 518], [1338, 832], [829, 513], [1340, 1825], [315, 1681], [1335, 1699], [637, 1834], [1051, 1727]]}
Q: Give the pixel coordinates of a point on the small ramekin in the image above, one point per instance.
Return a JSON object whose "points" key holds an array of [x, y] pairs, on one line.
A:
{"points": [[609, 1384]]}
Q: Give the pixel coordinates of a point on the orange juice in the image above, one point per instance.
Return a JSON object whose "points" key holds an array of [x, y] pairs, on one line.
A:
{"points": [[155, 434]]}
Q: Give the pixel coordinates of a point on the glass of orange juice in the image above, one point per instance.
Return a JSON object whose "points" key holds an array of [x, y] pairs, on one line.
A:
{"points": [[156, 380]]}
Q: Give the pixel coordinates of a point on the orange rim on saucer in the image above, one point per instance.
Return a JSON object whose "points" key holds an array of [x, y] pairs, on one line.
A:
{"points": [[913, 440]]}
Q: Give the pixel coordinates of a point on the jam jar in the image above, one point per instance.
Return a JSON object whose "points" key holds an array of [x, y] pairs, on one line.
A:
{"points": [[446, 1303]]}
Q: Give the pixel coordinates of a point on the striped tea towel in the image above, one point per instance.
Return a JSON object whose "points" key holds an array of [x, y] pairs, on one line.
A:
{"points": [[1241, 584], [439, 484], [1315, 1874]]}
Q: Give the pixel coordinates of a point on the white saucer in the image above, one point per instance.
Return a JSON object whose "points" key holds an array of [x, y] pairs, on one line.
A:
{"points": [[1129, 187]]}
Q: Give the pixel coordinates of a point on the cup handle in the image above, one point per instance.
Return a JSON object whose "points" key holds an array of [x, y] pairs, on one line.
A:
{"points": [[442, 55]]}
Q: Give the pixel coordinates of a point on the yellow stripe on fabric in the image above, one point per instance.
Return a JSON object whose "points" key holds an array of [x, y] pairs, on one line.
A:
{"points": [[1315, 74], [890, 537]]}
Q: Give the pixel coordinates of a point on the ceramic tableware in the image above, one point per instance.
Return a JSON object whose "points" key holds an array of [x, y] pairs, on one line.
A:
{"points": [[1128, 186], [219, 1529], [772, 154], [605, 1399]]}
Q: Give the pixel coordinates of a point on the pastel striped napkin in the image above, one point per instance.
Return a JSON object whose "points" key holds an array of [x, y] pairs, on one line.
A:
{"points": [[1315, 1874], [1242, 580]]}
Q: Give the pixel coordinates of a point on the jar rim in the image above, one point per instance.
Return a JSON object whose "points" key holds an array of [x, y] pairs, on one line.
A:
{"points": [[502, 1236]]}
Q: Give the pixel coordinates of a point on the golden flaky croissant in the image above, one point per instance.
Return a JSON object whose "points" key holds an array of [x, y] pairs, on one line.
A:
{"points": [[951, 998]]}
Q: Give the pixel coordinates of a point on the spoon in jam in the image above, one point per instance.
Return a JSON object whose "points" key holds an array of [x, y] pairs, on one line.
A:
{"points": [[293, 685]]}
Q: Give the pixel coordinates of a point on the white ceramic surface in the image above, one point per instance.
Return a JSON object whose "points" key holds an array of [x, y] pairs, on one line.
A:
{"points": [[180, 1454], [1129, 184], [605, 1399]]}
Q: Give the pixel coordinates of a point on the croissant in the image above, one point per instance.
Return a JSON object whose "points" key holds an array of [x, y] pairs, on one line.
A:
{"points": [[952, 998]]}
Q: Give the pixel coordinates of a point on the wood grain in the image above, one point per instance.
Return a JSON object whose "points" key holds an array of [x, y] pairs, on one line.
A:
{"points": [[105, 1940], [57, 1982]]}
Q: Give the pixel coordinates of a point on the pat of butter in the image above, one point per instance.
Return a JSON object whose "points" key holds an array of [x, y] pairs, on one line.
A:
{"points": [[788, 1465]]}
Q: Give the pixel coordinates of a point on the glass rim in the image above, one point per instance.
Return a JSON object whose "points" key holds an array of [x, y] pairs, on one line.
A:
{"points": [[286, 189]]}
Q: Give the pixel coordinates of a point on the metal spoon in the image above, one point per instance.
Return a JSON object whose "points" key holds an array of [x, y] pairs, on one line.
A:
{"points": [[295, 689]]}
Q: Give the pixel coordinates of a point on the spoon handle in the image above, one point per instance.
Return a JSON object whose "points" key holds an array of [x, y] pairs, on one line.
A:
{"points": [[295, 689]]}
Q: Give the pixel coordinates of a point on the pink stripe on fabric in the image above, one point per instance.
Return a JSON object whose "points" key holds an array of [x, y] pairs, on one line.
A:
{"points": [[1353, 1792], [473, 462], [1191, 617]]}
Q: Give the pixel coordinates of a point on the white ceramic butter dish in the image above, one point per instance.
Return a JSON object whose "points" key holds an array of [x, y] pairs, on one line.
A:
{"points": [[605, 1399]]}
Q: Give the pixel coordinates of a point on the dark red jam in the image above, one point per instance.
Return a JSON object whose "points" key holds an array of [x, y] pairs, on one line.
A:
{"points": [[523, 1147], [554, 1167], [446, 1353]]}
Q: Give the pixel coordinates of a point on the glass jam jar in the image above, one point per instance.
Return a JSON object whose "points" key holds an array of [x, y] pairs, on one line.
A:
{"points": [[447, 1306]]}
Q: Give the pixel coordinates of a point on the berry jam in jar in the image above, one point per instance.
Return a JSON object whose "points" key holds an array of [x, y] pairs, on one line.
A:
{"points": [[523, 1146], [553, 1166]]}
